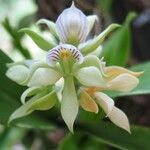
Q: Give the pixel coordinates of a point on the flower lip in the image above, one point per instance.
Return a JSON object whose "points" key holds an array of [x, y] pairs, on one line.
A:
{"points": [[63, 52]]}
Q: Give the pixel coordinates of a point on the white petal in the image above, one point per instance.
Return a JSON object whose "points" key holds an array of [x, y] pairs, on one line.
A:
{"points": [[59, 85], [119, 118], [105, 102], [91, 21], [91, 60], [69, 104], [18, 73], [44, 77], [72, 25], [51, 25], [97, 41], [124, 82], [90, 76], [29, 92]]}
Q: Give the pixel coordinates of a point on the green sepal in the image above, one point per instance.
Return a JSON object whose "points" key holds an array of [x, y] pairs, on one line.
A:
{"points": [[92, 45], [41, 101]]}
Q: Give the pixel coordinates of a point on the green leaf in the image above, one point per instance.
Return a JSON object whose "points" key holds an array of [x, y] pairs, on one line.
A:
{"points": [[117, 48], [16, 38], [143, 87], [116, 137], [10, 136], [79, 141], [68, 143], [10, 92], [34, 121], [38, 39]]}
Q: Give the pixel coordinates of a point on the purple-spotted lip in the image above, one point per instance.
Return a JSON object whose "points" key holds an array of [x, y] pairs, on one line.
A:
{"points": [[53, 56]]}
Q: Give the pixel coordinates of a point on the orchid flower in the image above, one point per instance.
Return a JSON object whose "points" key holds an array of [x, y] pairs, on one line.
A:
{"points": [[116, 79], [73, 58]]}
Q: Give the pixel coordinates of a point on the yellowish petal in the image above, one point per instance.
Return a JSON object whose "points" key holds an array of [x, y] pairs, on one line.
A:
{"points": [[105, 102], [123, 83], [114, 71], [87, 103], [119, 118]]}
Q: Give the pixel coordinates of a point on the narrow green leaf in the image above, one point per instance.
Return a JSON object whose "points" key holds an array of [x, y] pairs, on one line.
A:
{"points": [[116, 49], [34, 121], [38, 39], [109, 134], [10, 92], [16, 38]]}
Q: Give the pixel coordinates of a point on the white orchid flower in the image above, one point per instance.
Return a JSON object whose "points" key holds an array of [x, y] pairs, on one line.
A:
{"points": [[64, 61], [73, 58], [116, 79]]}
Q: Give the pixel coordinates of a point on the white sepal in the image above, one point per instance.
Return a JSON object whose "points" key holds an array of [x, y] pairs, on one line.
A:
{"points": [[119, 118], [91, 21], [44, 77], [51, 25], [18, 73], [69, 103], [105, 102], [90, 76], [29, 92]]}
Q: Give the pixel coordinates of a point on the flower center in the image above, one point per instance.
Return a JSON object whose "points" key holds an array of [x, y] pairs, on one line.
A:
{"points": [[91, 90], [65, 54]]}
